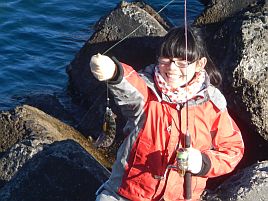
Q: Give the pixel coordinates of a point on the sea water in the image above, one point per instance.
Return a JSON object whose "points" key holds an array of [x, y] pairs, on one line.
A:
{"points": [[39, 38]]}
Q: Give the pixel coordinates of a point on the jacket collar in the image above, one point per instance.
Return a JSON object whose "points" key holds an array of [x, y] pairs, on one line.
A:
{"points": [[147, 75]]}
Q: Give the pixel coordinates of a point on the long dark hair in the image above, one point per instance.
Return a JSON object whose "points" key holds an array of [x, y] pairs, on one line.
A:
{"points": [[173, 46]]}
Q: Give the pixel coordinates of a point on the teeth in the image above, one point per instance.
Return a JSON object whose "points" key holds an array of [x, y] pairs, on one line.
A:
{"points": [[172, 76]]}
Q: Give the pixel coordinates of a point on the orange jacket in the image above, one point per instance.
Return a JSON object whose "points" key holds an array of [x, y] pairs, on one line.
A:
{"points": [[156, 128]]}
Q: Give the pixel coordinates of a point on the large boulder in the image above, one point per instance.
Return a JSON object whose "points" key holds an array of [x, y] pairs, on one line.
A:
{"points": [[242, 56], [250, 184], [218, 10], [61, 171], [48, 153]]}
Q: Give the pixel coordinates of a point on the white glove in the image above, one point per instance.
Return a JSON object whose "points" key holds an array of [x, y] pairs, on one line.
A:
{"points": [[102, 67], [194, 160]]}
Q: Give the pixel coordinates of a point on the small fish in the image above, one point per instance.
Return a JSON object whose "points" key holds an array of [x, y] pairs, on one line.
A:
{"points": [[107, 135]]}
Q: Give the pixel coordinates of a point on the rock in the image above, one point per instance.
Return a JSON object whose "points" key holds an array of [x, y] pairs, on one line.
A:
{"points": [[56, 105], [218, 10], [36, 130], [11, 130], [250, 184], [138, 50], [250, 77], [205, 2], [242, 57], [60, 171], [234, 43]]}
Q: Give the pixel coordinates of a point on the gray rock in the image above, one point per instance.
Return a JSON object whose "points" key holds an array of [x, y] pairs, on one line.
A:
{"points": [[250, 77], [61, 171], [242, 55], [11, 130], [218, 10], [126, 18], [57, 105], [250, 184], [13, 159], [38, 131], [205, 2]]}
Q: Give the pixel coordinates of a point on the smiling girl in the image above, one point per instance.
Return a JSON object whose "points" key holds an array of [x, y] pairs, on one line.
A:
{"points": [[153, 102]]}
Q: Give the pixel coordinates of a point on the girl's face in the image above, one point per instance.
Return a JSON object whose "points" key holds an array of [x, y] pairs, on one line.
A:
{"points": [[177, 72]]}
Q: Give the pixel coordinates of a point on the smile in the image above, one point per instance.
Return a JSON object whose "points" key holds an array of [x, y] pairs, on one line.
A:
{"points": [[173, 76]]}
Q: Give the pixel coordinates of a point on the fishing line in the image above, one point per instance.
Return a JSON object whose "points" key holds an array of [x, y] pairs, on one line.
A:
{"points": [[187, 177], [106, 51], [124, 38], [187, 84], [186, 59], [137, 28], [107, 136]]}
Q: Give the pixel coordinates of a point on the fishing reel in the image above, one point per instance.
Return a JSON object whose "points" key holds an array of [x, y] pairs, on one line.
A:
{"points": [[182, 161], [181, 165]]}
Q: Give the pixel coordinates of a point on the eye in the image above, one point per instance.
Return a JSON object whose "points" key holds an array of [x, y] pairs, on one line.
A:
{"points": [[182, 64], [164, 61]]}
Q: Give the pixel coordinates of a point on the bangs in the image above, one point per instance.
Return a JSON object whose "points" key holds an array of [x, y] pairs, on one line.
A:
{"points": [[173, 46]]}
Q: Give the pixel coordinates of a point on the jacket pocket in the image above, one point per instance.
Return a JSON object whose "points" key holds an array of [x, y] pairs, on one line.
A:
{"points": [[140, 180]]}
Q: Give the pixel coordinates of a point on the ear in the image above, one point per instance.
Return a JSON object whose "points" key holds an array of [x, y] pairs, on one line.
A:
{"points": [[200, 64]]}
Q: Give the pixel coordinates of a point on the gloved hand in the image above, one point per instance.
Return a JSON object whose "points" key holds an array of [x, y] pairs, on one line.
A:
{"points": [[102, 67], [194, 160]]}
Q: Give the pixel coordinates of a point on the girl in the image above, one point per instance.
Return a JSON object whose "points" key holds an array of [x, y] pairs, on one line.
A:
{"points": [[154, 104]]}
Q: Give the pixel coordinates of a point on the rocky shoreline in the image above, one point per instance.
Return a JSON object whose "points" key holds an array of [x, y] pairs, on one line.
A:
{"points": [[42, 158]]}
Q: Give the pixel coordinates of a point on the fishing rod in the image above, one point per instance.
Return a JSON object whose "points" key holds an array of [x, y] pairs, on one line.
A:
{"points": [[182, 153], [188, 175]]}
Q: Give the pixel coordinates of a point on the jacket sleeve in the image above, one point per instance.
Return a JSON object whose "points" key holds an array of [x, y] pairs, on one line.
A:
{"points": [[227, 145], [129, 89]]}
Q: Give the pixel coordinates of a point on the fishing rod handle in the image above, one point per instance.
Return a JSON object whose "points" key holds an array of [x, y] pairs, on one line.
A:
{"points": [[188, 185]]}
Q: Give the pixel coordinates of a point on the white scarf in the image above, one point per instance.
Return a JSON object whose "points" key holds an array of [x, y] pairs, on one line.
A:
{"points": [[180, 95]]}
